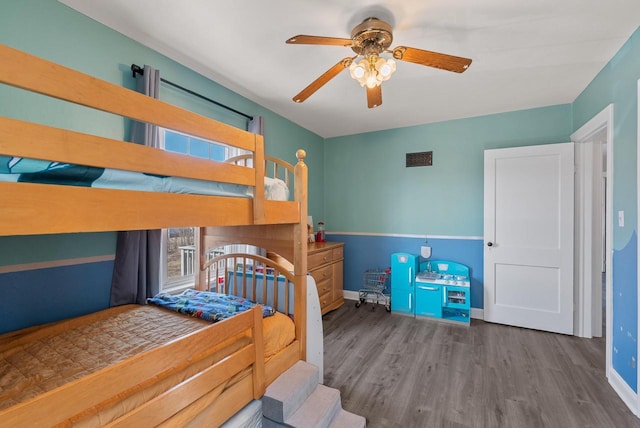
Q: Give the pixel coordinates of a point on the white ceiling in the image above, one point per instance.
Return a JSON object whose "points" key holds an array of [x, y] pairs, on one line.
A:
{"points": [[525, 54]]}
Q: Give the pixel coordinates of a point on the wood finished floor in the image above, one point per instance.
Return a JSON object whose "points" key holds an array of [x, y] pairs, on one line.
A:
{"points": [[400, 372]]}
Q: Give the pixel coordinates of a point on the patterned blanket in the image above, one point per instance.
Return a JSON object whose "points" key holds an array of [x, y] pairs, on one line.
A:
{"points": [[207, 305]]}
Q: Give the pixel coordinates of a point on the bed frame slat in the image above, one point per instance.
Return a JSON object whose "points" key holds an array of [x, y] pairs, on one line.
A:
{"points": [[212, 410], [29, 72], [41, 211], [61, 145], [163, 407]]}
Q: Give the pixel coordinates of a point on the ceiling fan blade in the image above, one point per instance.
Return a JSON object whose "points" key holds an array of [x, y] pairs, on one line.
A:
{"points": [[432, 59], [374, 96], [322, 80], [319, 40]]}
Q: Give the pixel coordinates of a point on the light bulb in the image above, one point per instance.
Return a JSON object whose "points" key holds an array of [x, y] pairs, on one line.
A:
{"points": [[359, 71], [386, 69], [355, 71]]}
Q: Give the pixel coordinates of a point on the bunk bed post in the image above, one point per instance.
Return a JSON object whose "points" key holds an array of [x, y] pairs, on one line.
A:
{"points": [[300, 253], [259, 382], [259, 168]]}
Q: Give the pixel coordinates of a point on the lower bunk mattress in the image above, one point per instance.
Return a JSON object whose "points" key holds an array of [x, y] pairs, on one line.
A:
{"points": [[41, 359]]}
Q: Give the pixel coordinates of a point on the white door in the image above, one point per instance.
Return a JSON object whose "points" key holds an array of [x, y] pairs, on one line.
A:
{"points": [[528, 233]]}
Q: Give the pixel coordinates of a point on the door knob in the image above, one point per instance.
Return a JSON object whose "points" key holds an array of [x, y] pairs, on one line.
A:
{"points": [[489, 244]]}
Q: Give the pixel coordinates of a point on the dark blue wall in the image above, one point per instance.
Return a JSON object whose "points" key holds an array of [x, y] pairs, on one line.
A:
{"points": [[362, 252], [53, 294]]}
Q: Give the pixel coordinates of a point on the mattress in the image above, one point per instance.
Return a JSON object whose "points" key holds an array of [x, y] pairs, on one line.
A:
{"points": [[15, 169], [45, 358]]}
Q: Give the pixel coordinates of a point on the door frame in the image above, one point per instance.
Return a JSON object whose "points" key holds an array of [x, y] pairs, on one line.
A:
{"points": [[600, 122]]}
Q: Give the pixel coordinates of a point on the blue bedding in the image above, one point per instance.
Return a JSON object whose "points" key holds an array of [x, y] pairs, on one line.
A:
{"points": [[25, 170], [207, 305], [16, 169]]}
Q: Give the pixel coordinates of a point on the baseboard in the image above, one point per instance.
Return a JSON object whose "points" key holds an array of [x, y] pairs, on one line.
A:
{"points": [[350, 295], [623, 390], [476, 313]]}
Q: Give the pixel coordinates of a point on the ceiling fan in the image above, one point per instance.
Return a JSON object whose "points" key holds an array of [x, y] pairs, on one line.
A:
{"points": [[369, 40]]}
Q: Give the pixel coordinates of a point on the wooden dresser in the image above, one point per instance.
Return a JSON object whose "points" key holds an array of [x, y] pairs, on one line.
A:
{"points": [[325, 263]]}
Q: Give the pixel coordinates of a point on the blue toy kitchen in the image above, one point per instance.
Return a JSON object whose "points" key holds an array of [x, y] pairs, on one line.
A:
{"points": [[432, 288]]}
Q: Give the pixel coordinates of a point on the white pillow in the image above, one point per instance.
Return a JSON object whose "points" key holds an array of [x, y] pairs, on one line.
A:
{"points": [[275, 189]]}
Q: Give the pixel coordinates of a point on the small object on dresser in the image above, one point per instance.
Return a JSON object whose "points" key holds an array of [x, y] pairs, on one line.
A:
{"points": [[311, 238], [320, 236]]}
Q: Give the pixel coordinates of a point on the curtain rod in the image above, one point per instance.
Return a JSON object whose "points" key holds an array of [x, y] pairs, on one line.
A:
{"points": [[136, 69]]}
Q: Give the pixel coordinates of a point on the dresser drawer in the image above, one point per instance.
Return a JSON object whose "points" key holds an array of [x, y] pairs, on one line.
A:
{"points": [[317, 259], [324, 287], [338, 253], [325, 261], [322, 273], [325, 300]]}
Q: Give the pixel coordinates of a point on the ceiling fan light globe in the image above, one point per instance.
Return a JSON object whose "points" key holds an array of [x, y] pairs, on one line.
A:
{"points": [[360, 71], [372, 80], [387, 69]]}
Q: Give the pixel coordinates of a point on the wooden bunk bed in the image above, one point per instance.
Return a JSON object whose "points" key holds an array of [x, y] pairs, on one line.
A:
{"points": [[203, 376]]}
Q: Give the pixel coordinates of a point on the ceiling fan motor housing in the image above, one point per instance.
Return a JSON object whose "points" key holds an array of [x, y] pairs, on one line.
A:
{"points": [[371, 37]]}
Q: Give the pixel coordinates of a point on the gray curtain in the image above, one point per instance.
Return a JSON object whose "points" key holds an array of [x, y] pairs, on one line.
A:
{"points": [[256, 125], [136, 274]]}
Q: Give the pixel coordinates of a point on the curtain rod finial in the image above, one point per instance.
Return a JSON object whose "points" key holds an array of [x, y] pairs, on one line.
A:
{"points": [[135, 69]]}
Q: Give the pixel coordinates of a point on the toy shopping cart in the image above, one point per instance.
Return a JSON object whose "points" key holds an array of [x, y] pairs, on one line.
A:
{"points": [[374, 288]]}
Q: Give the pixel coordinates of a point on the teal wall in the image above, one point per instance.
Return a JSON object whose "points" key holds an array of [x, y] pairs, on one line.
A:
{"points": [[383, 196], [15, 250], [617, 84]]}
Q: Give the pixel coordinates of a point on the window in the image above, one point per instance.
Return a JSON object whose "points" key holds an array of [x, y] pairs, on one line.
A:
{"points": [[178, 258], [179, 244], [178, 142], [178, 253]]}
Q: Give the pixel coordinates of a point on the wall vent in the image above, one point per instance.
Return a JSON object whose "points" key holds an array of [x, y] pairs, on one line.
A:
{"points": [[419, 159]]}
